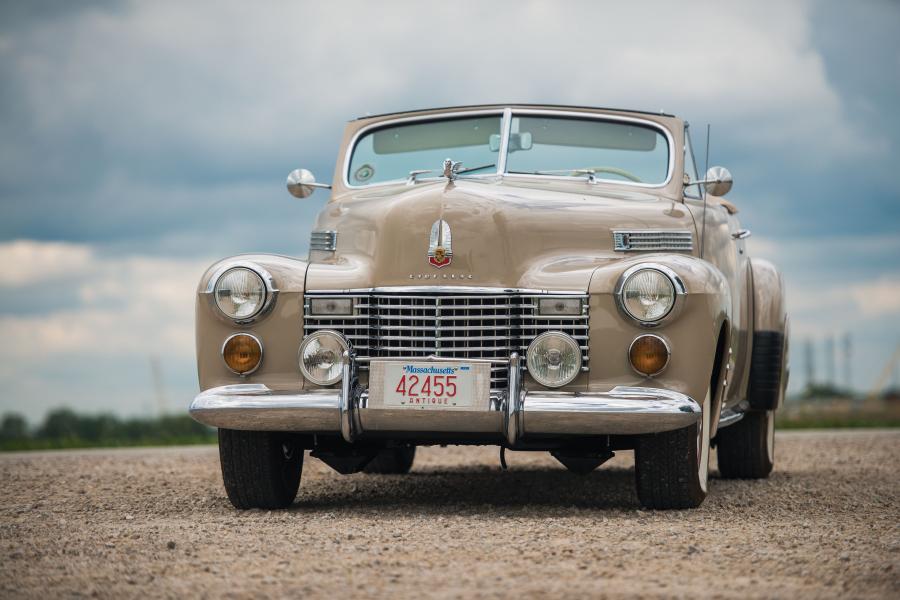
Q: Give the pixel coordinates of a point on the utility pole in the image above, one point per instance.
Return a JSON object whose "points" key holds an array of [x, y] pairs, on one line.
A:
{"points": [[156, 375], [848, 363], [829, 361], [810, 365]]}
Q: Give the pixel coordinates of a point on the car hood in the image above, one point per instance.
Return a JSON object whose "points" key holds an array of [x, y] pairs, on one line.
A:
{"points": [[501, 234]]}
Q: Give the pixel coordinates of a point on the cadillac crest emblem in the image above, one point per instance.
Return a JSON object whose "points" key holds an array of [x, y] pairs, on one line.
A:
{"points": [[440, 248]]}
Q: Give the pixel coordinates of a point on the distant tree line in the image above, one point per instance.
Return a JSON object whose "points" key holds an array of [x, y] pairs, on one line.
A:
{"points": [[64, 428]]}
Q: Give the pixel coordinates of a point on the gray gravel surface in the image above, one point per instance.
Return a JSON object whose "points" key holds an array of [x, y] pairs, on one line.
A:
{"points": [[155, 522]]}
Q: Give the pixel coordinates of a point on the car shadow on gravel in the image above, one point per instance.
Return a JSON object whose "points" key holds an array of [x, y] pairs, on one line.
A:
{"points": [[454, 489]]}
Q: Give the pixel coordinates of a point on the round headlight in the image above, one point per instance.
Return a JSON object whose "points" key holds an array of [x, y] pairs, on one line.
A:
{"points": [[648, 295], [240, 293], [320, 357], [554, 359]]}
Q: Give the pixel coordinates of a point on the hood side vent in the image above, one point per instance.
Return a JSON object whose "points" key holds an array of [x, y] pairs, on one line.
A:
{"points": [[653, 241], [325, 241]]}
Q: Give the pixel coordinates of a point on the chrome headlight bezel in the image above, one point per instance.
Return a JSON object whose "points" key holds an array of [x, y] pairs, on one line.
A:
{"points": [[677, 285], [342, 342], [271, 293], [529, 355]]}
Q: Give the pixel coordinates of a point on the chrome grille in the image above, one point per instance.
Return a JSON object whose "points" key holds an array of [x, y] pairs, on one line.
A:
{"points": [[323, 240], [653, 241], [531, 324], [413, 325]]}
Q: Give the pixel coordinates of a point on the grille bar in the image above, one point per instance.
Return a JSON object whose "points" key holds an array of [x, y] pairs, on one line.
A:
{"points": [[323, 240], [465, 326], [655, 241]]}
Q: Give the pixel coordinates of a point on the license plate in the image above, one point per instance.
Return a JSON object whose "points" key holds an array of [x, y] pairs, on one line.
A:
{"points": [[430, 386]]}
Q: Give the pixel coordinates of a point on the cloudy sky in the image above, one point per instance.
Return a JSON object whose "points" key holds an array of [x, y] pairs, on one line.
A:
{"points": [[140, 141]]}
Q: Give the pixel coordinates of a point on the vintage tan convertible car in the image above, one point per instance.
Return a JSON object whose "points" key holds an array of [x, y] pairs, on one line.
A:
{"points": [[533, 277]]}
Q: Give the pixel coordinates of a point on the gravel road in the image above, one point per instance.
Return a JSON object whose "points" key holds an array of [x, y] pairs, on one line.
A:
{"points": [[129, 523]]}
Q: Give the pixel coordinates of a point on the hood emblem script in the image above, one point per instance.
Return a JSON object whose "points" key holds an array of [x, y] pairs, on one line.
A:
{"points": [[440, 248]]}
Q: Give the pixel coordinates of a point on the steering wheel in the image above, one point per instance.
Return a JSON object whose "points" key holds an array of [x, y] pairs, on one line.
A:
{"points": [[612, 170]]}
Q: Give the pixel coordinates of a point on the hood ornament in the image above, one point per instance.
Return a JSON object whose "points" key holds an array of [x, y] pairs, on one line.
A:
{"points": [[451, 169], [440, 248]]}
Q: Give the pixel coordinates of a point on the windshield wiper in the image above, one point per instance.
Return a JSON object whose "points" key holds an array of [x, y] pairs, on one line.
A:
{"points": [[413, 175], [470, 169], [411, 178]]}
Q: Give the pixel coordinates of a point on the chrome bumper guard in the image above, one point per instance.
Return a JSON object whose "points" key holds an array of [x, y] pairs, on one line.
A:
{"points": [[514, 414]]}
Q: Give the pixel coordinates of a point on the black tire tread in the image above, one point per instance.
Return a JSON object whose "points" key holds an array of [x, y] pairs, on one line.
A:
{"points": [[665, 466], [252, 469], [741, 448], [392, 461], [764, 387]]}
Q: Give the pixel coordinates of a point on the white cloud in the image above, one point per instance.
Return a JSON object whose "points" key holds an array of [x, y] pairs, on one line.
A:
{"points": [[250, 81], [28, 261], [879, 298], [135, 305]]}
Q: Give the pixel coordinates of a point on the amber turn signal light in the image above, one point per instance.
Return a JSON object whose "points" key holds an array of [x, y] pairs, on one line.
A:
{"points": [[242, 353], [648, 354]]}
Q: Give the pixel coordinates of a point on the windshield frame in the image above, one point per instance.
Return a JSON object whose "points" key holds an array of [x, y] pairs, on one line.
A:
{"points": [[506, 115]]}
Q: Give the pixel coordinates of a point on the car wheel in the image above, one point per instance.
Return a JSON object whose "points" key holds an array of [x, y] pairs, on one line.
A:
{"points": [[746, 450], [672, 468], [397, 461], [261, 469]]}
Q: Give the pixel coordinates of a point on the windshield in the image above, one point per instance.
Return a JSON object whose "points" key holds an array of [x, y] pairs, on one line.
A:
{"points": [[394, 152], [578, 147], [587, 147]]}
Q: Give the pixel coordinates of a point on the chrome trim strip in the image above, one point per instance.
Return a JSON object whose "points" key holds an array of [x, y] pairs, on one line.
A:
{"points": [[268, 281], [652, 241], [449, 289], [261, 353], [505, 128], [677, 283]]}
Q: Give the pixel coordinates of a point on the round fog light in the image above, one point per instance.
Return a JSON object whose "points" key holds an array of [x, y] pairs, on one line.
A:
{"points": [[320, 357], [648, 354], [242, 353], [554, 359]]}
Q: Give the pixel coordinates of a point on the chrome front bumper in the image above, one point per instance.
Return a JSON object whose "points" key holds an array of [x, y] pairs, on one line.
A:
{"points": [[514, 414]]}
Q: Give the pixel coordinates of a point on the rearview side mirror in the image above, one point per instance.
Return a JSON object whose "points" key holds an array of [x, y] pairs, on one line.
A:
{"points": [[718, 181], [517, 141], [301, 183]]}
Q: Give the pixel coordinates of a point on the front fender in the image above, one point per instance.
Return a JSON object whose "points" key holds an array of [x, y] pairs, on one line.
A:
{"points": [[280, 330], [692, 336]]}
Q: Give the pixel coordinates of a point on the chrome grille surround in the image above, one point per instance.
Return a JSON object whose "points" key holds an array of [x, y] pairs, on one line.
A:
{"points": [[653, 241], [454, 322], [325, 241]]}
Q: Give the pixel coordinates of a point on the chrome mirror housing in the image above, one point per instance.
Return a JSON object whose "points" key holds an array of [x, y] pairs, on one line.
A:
{"points": [[301, 183], [718, 181]]}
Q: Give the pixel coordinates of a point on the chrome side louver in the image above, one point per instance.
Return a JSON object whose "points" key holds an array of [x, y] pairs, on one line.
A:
{"points": [[325, 241], [653, 241]]}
